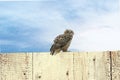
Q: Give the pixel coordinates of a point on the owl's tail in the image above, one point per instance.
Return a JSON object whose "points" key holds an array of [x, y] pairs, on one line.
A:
{"points": [[52, 50], [52, 53]]}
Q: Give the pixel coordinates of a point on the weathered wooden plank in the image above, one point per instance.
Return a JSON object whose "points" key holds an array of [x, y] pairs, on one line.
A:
{"points": [[16, 66], [92, 66], [79, 69], [115, 55], [56, 67]]}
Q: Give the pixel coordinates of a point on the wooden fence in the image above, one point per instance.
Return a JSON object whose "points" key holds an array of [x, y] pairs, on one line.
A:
{"points": [[63, 66]]}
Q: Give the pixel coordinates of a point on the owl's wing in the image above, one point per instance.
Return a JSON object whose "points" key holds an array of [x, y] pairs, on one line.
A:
{"points": [[62, 40], [56, 44], [53, 48]]}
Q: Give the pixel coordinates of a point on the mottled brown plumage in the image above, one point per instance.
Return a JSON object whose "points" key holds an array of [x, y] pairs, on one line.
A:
{"points": [[62, 42]]}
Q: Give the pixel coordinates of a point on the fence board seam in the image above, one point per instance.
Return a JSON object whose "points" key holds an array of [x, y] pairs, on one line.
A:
{"points": [[110, 53], [32, 66], [73, 68]]}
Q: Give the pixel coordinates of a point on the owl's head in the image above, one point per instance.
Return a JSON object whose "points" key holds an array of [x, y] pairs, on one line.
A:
{"points": [[69, 32]]}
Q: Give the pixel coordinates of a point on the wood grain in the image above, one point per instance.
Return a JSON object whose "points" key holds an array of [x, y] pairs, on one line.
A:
{"points": [[115, 65], [16, 66]]}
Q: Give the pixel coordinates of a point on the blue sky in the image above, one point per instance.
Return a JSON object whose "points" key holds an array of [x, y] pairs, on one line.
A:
{"points": [[31, 26]]}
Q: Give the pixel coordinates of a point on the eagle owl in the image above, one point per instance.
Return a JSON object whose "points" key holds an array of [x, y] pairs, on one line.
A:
{"points": [[62, 42]]}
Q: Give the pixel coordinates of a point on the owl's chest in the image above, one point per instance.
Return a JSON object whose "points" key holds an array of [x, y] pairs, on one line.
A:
{"points": [[67, 45]]}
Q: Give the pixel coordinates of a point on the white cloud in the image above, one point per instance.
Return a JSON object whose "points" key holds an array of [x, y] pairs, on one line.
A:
{"points": [[99, 34]]}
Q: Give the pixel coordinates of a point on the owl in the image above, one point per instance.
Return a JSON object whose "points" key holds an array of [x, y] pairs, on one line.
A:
{"points": [[62, 42]]}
